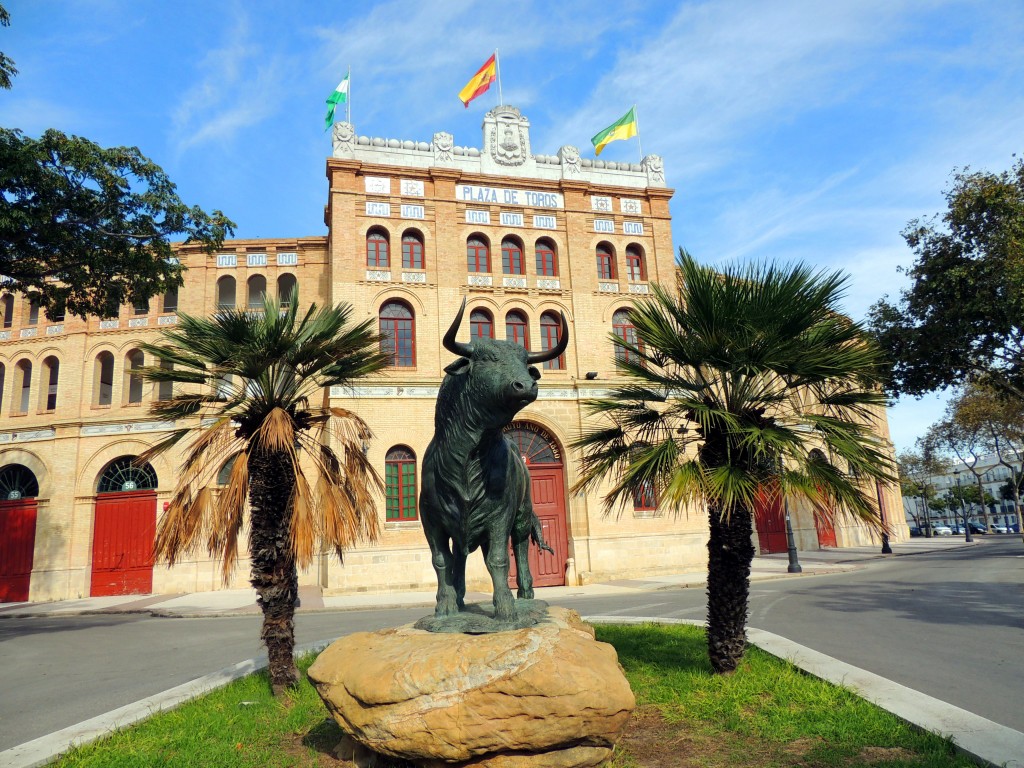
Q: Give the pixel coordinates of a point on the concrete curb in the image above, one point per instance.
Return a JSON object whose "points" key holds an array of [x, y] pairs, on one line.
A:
{"points": [[981, 739], [47, 748]]}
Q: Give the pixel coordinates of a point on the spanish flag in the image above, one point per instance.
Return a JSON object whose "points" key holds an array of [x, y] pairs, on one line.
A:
{"points": [[623, 128], [480, 82]]}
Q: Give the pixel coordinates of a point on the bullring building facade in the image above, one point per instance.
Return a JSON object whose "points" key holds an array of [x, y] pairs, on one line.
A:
{"points": [[414, 227]]}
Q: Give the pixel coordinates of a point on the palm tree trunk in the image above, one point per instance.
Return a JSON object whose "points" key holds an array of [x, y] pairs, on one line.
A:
{"points": [[730, 553], [273, 566]]}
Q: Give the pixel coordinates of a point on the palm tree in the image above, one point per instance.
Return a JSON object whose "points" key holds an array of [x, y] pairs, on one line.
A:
{"points": [[740, 382], [251, 388]]}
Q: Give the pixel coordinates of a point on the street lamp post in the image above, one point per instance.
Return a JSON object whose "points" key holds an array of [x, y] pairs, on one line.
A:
{"points": [[794, 562], [886, 549], [963, 508]]}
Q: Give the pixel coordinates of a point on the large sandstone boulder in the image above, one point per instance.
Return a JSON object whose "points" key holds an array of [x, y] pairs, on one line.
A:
{"points": [[548, 695]]}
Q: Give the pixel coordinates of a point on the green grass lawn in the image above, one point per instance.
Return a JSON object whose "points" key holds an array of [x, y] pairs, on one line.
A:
{"points": [[767, 714]]}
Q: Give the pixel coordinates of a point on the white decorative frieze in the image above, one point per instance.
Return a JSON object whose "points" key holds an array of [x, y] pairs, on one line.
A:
{"points": [[549, 284], [477, 217], [632, 227], [137, 426], [412, 211], [28, 333], [5, 335], [471, 193], [378, 209], [389, 392], [511, 219], [513, 282], [600, 203], [481, 280], [54, 330], [287, 259], [608, 287], [630, 206], [138, 322], [28, 436], [227, 260], [377, 185], [414, 277], [378, 275], [411, 187], [639, 288], [256, 260], [604, 225], [167, 320], [544, 222], [109, 325]]}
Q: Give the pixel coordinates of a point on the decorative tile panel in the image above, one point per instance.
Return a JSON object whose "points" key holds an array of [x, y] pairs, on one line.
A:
{"points": [[549, 283], [639, 288], [631, 206], [138, 322], [414, 277], [478, 217], [632, 227], [227, 260], [287, 259], [109, 325], [600, 203], [167, 320], [544, 222], [514, 282], [412, 211], [411, 187], [256, 260], [54, 330], [378, 209], [378, 185], [28, 333], [604, 225], [511, 219], [5, 335], [378, 275], [608, 287], [481, 280]]}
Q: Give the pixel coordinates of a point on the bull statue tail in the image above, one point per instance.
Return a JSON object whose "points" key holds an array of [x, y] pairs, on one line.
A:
{"points": [[538, 535]]}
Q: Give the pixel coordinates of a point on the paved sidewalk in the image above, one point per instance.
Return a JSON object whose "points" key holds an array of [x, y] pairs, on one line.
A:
{"points": [[234, 602]]}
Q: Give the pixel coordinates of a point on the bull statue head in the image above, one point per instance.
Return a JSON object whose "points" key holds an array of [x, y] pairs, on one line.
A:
{"points": [[503, 372]]}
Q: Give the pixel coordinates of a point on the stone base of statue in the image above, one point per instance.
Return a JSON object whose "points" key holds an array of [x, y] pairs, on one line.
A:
{"points": [[546, 695]]}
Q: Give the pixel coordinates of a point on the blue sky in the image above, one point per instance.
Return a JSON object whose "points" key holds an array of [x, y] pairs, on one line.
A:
{"points": [[790, 130]]}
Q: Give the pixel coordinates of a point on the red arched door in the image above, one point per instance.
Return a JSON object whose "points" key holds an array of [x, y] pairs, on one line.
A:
{"points": [[124, 530], [770, 520], [18, 489], [547, 490]]}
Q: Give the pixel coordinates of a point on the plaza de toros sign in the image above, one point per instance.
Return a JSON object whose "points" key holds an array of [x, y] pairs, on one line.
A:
{"points": [[471, 193]]}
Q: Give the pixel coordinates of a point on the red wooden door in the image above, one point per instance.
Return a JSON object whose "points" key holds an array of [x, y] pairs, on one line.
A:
{"points": [[548, 493], [826, 531], [122, 547], [17, 545], [770, 521]]}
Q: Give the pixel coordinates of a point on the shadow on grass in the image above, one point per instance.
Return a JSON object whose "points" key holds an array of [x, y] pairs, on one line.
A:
{"points": [[323, 737]]}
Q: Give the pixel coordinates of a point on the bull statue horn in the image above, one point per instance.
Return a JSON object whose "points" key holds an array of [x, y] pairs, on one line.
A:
{"points": [[458, 347], [551, 354]]}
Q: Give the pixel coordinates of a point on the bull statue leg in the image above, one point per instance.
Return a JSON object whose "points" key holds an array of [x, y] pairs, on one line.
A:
{"points": [[459, 578], [444, 566], [496, 559]]}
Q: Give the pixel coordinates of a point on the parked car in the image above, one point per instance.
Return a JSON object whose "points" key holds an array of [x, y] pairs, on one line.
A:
{"points": [[977, 527], [999, 528], [915, 531], [941, 529]]}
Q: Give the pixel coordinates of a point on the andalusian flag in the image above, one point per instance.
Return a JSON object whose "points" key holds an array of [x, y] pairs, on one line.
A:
{"points": [[623, 128], [340, 96], [481, 81]]}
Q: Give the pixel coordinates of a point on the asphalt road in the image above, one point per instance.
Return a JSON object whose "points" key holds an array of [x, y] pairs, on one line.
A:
{"points": [[947, 624]]}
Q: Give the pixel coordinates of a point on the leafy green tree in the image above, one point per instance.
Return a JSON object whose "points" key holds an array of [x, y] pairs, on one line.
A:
{"points": [[7, 68], [85, 229], [916, 470], [730, 377], [251, 388], [963, 316]]}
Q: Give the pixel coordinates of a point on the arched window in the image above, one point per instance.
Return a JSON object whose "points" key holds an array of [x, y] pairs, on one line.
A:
{"points": [[412, 250], [478, 254], [165, 389], [636, 271], [3, 384], [171, 300], [622, 326], [377, 249], [517, 328], [48, 382], [645, 499], [549, 327], [33, 313], [605, 262], [17, 482], [123, 475], [257, 285], [398, 333], [8, 309], [286, 286], [512, 257], [481, 324], [24, 383], [133, 362], [400, 483], [103, 382], [224, 476], [140, 306], [226, 292], [547, 260]]}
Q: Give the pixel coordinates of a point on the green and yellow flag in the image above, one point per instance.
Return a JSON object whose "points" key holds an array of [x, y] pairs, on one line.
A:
{"points": [[623, 128]]}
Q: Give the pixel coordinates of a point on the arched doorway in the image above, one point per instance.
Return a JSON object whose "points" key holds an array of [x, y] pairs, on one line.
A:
{"points": [[770, 520], [18, 491], [125, 526], [822, 516], [547, 490]]}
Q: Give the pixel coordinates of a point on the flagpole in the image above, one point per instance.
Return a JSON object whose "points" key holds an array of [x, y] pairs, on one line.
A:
{"points": [[348, 97], [497, 66], [636, 119]]}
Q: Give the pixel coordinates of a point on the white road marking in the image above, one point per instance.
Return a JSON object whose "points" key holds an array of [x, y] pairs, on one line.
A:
{"points": [[635, 608]]}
